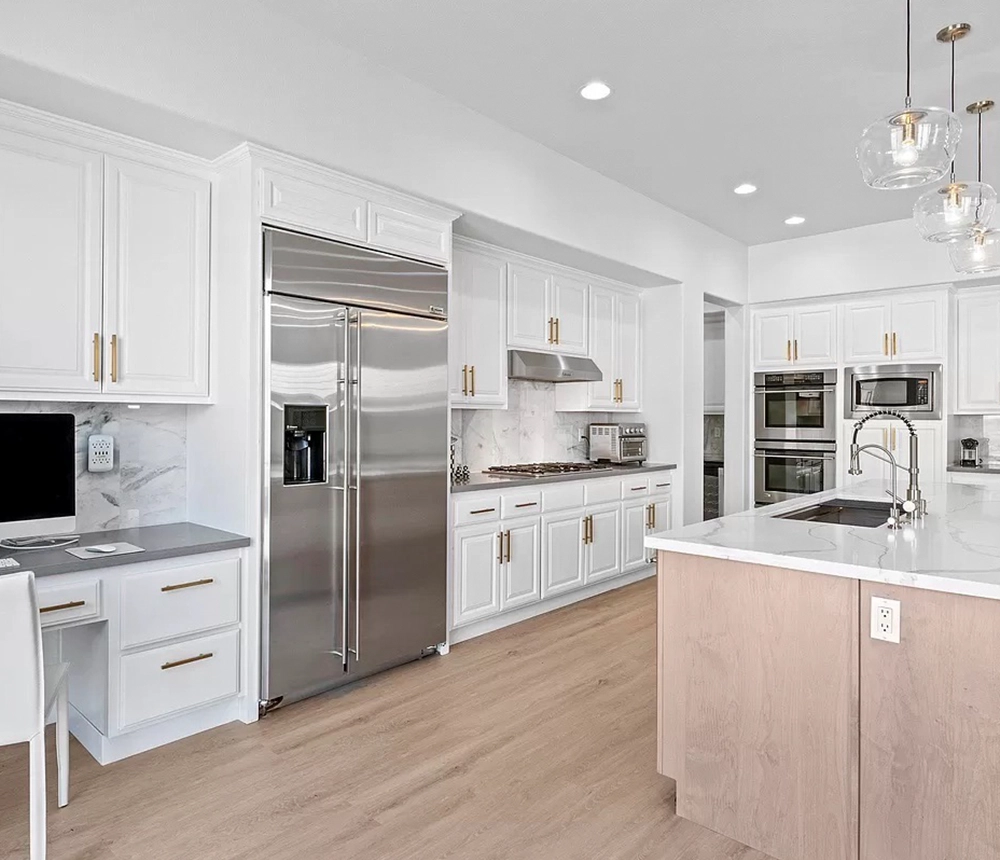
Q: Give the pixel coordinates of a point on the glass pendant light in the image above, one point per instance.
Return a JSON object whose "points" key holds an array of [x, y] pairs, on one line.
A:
{"points": [[912, 147], [959, 209], [978, 254]]}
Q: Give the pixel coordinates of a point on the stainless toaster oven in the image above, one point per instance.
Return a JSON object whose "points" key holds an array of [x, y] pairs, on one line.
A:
{"points": [[618, 443]]}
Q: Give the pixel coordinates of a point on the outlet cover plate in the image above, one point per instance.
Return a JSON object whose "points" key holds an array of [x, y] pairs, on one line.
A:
{"points": [[100, 453], [885, 619]]}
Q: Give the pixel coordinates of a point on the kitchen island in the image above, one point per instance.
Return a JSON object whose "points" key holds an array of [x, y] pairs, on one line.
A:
{"points": [[788, 727]]}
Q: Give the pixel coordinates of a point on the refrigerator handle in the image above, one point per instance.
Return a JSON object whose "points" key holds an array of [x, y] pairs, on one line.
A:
{"points": [[346, 510], [356, 322]]}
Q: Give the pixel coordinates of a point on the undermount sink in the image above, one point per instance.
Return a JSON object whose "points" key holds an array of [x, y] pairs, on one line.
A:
{"points": [[843, 512]]}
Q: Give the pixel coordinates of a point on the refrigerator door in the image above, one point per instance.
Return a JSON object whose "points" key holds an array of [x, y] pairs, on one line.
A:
{"points": [[399, 510], [305, 550], [335, 272]]}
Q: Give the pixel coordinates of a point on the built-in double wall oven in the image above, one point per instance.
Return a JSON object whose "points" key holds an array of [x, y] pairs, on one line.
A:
{"points": [[795, 448]]}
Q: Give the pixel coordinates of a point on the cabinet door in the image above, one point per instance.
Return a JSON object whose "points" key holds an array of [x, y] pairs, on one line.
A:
{"points": [[603, 346], [773, 335], [562, 553], [156, 275], [979, 353], [528, 311], [866, 332], [629, 360], [407, 233], [479, 344], [661, 518], [521, 576], [918, 327], [569, 307], [930, 449], [313, 205], [50, 236], [815, 340], [477, 573], [604, 550], [634, 518], [873, 433]]}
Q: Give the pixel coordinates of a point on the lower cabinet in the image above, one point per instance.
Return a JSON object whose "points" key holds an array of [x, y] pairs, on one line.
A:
{"points": [[563, 538], [477, 572], [520, 570], [603, 548], [635, 524]]}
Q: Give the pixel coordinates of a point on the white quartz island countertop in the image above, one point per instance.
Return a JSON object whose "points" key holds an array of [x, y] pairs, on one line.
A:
{"points": [[954, 549]]}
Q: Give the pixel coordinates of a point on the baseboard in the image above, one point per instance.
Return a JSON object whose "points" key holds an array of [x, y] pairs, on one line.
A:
{"points": [[515, 616]]}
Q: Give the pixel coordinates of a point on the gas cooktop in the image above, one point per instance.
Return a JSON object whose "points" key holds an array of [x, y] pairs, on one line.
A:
{"points": [[540, 470]]}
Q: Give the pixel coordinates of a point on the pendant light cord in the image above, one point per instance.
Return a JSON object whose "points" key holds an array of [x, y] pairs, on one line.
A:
{"points": [[953, 104], [909, 101], [980, 147]]}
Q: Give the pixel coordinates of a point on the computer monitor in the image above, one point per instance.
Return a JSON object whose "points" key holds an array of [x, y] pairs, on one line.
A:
{"points": [[37, 474]]}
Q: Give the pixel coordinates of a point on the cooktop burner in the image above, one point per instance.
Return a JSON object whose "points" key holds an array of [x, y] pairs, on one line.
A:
{"points": [[539, 470]]}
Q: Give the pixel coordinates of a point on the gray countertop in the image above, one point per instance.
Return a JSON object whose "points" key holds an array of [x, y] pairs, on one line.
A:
{"points": [[159, 542], [479, 481], [975, 470]]}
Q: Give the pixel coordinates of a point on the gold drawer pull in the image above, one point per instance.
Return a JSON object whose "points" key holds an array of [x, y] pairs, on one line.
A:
{"points": [[635, 489], [97, 357], [526, 505], [175, 663], [484, 511], [114, 358], [192, 584], [73, 604]]}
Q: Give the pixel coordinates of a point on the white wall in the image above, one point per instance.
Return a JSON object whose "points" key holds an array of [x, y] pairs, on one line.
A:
{"points": [[878, 257]]}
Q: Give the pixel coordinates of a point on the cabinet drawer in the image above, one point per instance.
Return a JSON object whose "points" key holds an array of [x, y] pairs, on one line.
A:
{"points": [[62, 604], [185, 599], [177, 677], [599, 492], [636, 487], [480, 508], [302, 203], [520, 504], [412, 234], [562, 497], [661, 482]]}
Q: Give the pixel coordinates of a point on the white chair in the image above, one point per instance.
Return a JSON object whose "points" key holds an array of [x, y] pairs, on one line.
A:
{"points": [[30, 691]]}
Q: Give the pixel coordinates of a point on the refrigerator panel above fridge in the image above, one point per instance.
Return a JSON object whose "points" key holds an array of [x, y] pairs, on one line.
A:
{"points": [[399, 575], [336, 272], [306, 552]]}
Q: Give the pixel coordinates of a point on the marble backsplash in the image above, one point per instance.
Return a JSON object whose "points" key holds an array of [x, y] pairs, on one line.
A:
{"points": [[148, 485], [528, 431]]}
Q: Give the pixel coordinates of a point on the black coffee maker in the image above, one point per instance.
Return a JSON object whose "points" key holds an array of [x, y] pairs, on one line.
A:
{"points": [[969, 453]]}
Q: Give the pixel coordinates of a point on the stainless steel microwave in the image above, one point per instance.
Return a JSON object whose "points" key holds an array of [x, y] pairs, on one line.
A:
{"points": [[914, 390]]}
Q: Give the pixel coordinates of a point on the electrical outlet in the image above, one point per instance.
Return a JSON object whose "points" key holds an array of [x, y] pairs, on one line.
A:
{"points": [[885, 619], [100, 453]]}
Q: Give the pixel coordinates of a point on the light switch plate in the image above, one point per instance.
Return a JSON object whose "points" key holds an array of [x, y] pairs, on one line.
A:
{"points": [[100, 453], [885, 619]]}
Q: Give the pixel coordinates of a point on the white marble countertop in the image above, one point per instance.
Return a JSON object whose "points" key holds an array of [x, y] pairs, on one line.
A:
{"points": [[955, 548]]}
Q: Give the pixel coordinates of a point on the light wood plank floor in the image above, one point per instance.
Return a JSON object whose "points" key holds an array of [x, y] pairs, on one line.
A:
{"points": [[537, 741]]}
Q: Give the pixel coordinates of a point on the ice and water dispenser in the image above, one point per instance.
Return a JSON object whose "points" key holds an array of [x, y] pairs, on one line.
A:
{"points": [[305, 444]]}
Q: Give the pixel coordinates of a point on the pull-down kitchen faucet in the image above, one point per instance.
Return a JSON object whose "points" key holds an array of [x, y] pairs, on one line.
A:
{"points": [[914, 506]]}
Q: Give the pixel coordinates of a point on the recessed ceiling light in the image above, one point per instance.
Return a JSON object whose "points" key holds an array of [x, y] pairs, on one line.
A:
{"points": [[595, 91], [795, 220], [745, 188]]}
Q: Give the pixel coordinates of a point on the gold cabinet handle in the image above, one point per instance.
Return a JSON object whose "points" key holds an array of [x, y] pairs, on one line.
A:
{"points": [[557, 330], [73, 604], [173, 664], [895, 345], [483, 511], [500, 547], [508, 546], [885, 344], [465, 380], [526, 505], [194, 583], [796, 349], [652, 516], [97, 357], [472, 380], [788, 350], [551, 330], [114, 358]]}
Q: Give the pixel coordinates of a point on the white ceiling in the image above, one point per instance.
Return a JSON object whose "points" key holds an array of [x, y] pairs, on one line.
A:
{"points": [[707, 93]]}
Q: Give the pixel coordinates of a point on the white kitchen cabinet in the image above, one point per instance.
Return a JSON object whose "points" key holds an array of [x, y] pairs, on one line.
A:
{"points": [[616, 348], [520, 571], [635, 520], [894, 436], [570, 312], [789, 337], [562, 552], [476, 566], [156, 280], [299, 201], [904, 328], [546, 311], [873, 433], [715, 365], [603, 551], [476, 330], [408, 233], [50, 235], [661, 517], [978, 370]]}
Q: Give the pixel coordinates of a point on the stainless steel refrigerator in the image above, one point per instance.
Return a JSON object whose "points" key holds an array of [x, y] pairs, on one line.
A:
{"points": [[355, 514]]}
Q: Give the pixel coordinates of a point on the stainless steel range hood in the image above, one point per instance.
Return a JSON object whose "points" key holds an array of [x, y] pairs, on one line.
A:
{"points": [[548, 367]]}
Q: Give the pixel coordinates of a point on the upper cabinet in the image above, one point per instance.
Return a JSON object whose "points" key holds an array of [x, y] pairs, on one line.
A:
{"points": [[789, 337], [616, 349], [904, 328], [546, 311], [107, 288], [476, 329], [978, 376]]}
